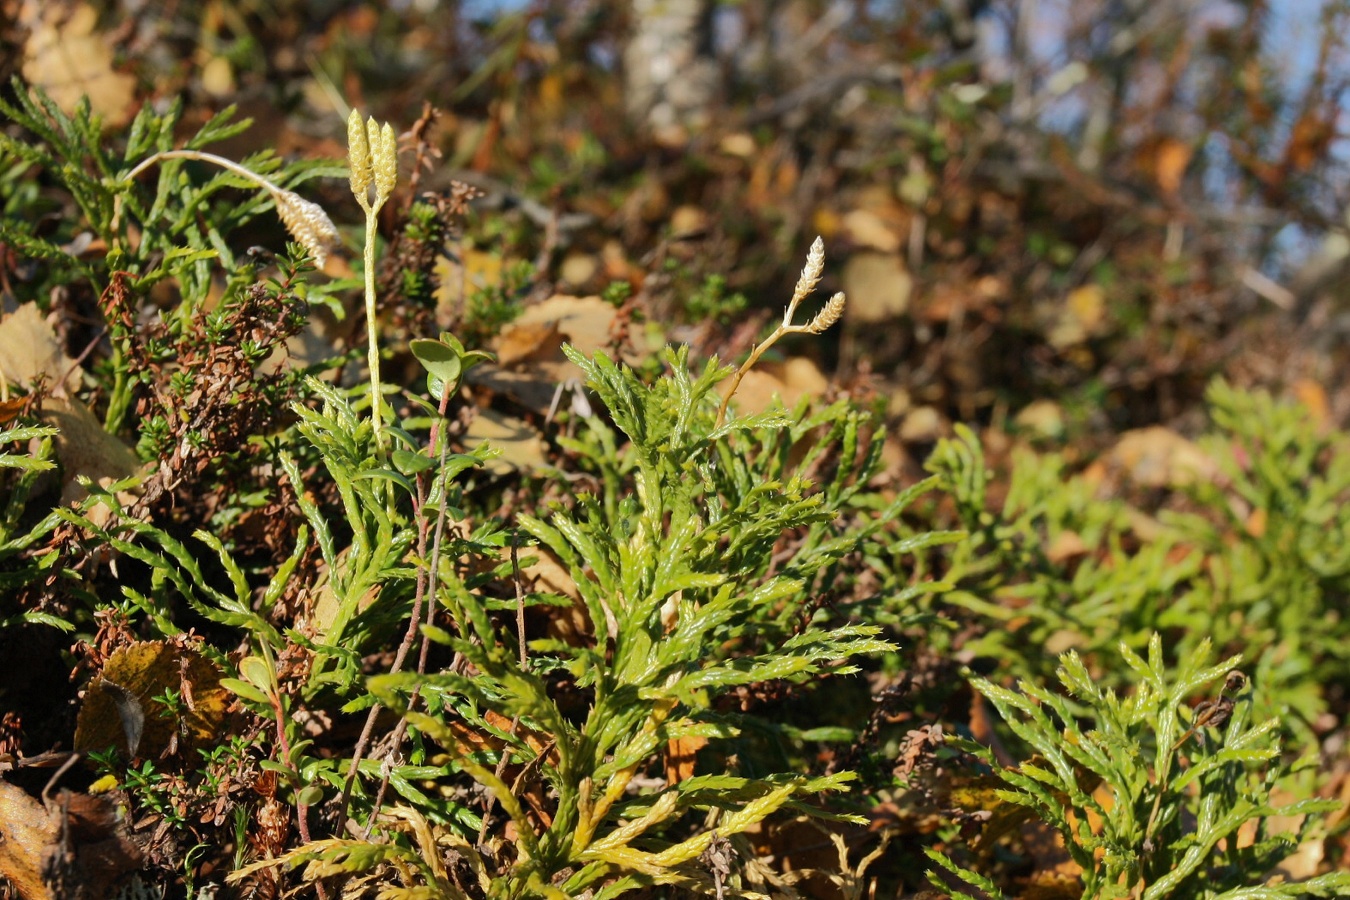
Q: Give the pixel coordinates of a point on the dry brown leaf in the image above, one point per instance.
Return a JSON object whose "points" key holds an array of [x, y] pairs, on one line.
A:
{"points": [[1087, 304], [89, 858], [68, 58], [529, 342], [122, 696], [218, 77], [26, 830], [84, 448], [1304, 863], [1173, 156], [688, 220], [1062, 641], [878, 287], [534, 387], [12, 408], [738, 144], [827, 223], [518, 443], [868, 229], [682, 757], [572, 625], [326, 605], [578, 268], [1340, 789], [29, 351], [1066, 546], [1043, 418], [1049, 884], [547, 574], [944, 302], [459, 273], [772, 383], [1081, 316], [1158, 457], [649, 202], [617, 267], [803, 377], [536, 741], [1313, 396], [759, 390], [476, 740], [1256, 522], [1045, 845], [921, 425], [583, 322]]}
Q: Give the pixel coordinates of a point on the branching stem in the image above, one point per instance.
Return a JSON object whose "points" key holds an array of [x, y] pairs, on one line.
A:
{"points": [[425, 595], [829, 314]]}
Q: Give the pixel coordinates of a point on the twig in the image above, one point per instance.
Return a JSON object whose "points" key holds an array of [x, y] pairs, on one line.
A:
{"points": [[499, 194], [1268, 288], [524, 659], [423, 577], [60, 773], [1209, 714], [301, 808], [426, 582]]}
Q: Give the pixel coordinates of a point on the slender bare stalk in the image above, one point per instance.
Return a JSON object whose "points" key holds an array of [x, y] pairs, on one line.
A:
{"points": [[301, 808], [426, 584], [306, 221], [524, 660], [426, 592], [372, 155]]}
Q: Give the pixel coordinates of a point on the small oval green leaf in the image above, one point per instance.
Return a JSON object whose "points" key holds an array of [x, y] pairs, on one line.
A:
{"points": [[310, 796], [256, 671], [245, 690], [438, 358], [410, 463]]}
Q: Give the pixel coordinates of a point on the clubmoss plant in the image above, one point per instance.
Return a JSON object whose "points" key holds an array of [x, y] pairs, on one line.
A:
{"points": [[1150, 805], [177, 228], [19, 536], [372, 154], [713, 584], [1252, 554], [696, 574], [685, 606]]}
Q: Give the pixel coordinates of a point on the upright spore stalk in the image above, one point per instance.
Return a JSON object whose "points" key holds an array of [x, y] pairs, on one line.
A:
{"points": [[372, 155]]}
